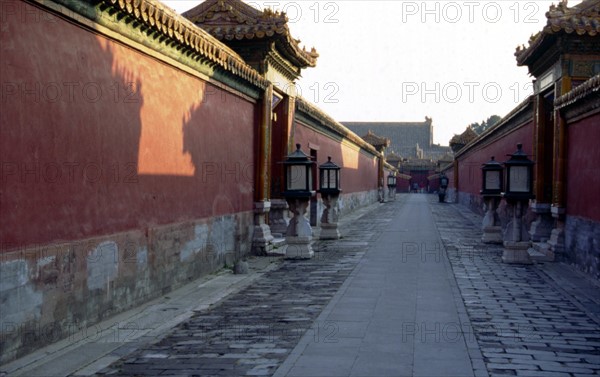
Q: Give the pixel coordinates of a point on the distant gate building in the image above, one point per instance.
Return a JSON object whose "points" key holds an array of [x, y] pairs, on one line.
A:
{"points": [[407, 139]]}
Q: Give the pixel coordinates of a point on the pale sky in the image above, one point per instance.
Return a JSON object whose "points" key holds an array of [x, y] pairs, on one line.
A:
{"points": [[403, 60]]}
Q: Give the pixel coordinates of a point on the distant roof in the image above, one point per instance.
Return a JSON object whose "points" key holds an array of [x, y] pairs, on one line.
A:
{"points": [[405, 137], [459, 141], [377, 141], [233, 20], [393, 157], [427, 122], [581, 19]]}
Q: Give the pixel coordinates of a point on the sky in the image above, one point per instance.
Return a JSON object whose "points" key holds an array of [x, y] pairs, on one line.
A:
{"points": [[400, 61]]}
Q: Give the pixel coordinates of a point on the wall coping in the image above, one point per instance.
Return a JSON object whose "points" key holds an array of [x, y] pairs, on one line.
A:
{"points": [[150, 21], [514, 119]]}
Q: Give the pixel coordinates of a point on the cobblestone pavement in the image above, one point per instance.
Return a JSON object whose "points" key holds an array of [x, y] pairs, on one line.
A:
{"points": [[252, 332], [525, 323]]}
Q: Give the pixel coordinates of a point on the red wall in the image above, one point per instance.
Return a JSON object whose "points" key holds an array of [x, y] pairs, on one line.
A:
{"points": [[469, 164], [583, 172], [98, 138], [359, 172], [450, 175], [420, 178]]}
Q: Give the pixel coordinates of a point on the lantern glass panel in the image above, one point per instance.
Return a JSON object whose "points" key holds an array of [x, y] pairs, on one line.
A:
{"points": [[492, 180], [296, 177], [519, 179]]}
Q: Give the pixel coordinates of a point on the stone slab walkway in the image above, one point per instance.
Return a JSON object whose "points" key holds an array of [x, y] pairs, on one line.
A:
{"points": [[399, 313]]}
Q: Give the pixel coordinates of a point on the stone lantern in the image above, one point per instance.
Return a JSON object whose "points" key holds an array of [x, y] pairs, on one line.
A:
{"points": [[298, 191], [491, 189], [518, 192], [329, 188], [391, 184], [444, 181]]}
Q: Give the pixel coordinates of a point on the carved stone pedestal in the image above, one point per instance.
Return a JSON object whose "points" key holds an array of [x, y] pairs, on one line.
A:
{"points": [[516, 252], [543, 224], [492, 235], [329, 218], [299, 233], [492, 231], [278, 218], [557, 236], [557, 239], [262, 239], [516, 237]]}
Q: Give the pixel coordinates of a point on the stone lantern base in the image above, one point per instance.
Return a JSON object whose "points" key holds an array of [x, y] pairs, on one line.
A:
{"points": [[298, 248], [492, 235], [329, 231], [329, 219], [492, 231], [299, 233], [262, 239], [516, 252]]}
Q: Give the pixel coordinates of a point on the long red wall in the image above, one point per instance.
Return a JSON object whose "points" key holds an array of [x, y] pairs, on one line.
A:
{"points": [[99, 138], [359, 171], [583, 178]]}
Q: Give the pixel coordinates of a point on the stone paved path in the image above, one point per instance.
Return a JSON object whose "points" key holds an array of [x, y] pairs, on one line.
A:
{"points": [[525, 324], [399, 313], [539, 320], [253, 331]]}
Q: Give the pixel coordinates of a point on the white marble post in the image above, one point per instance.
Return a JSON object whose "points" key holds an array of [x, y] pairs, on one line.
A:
{"points": [[262, 239], [492, 231], [278, 218], [516, 237], [299, 233], [329, 218]]}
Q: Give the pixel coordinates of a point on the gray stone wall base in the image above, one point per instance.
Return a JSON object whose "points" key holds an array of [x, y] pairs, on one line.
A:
{"points": [[582, 245], [51, 291]]}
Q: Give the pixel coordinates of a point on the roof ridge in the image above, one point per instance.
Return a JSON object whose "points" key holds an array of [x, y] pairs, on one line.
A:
{"points": [[242, 21]]}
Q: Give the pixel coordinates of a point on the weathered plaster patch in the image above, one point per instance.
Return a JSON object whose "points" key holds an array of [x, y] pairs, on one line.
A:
{"points": [[45, 261], [102, 265], [222, 235], [141, 257], [18, 299], [197, 244], [13, 274]]}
